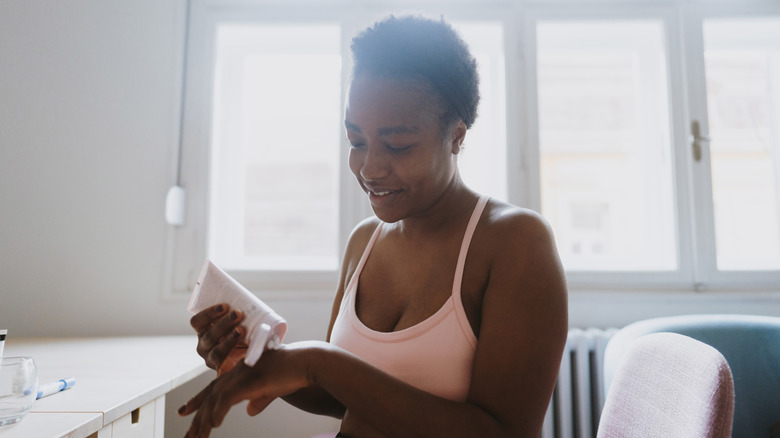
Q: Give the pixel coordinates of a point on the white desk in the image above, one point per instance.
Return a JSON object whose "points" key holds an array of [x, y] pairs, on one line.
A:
{"points": [[120, 385]]}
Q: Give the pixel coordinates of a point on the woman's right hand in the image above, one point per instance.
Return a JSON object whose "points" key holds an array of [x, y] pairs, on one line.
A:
{"points": [[220, 338]]}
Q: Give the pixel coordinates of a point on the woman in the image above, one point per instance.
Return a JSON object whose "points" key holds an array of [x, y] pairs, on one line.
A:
{"points": [[450, 314]]}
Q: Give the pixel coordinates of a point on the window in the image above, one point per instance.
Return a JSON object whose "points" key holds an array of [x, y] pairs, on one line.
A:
{"points": [[604, 137], [646, 134], [742, 65], [275, 147]]}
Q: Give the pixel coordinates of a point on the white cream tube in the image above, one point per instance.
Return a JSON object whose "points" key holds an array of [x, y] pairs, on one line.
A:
{"points": [[264, 328]]}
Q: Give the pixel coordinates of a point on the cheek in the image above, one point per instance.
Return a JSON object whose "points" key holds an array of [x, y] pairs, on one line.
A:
{"points": [[354, 162], [440, 161], [428, 170]]}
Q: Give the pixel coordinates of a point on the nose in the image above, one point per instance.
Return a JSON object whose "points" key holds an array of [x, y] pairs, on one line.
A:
{"points": [[372, 163]]}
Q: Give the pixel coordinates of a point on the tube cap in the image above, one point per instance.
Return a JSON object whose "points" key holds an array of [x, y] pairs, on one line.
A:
{"points": [[259, 339]]}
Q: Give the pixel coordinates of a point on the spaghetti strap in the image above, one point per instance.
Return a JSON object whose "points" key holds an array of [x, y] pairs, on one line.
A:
{"points": [[363, 258], [457, 298], [464, 246]]}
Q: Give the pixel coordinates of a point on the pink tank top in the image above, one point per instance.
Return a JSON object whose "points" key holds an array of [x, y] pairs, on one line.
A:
{"points": [[435, 355]]}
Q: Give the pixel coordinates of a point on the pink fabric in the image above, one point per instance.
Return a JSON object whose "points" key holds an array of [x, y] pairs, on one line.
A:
{"points": [[435, 355], [669, 385]]}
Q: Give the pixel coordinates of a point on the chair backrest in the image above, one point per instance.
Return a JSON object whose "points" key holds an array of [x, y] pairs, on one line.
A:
{"points": [[750, 344], [669, 385]]}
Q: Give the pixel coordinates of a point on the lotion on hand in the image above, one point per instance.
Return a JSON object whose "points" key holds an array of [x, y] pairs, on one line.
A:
{"points": [[264, 328]]}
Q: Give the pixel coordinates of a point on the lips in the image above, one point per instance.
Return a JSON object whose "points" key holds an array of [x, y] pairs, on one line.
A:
{"points": [[378, 191], [379, 195]]}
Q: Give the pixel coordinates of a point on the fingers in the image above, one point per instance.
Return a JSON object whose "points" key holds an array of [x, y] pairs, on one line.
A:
{"points": [[279, 373], [221, 350], [258, 405], [211, 404], [194, 403], [218, 333], [199, 429], [204, 319], [236, 355], [202, 423]]}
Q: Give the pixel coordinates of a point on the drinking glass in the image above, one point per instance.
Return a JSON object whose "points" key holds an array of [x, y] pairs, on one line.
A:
{"points": [[18, 388]]}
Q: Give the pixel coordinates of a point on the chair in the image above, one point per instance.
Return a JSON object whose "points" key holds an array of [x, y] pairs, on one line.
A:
{"points": [[750, 344], [669, 385]]}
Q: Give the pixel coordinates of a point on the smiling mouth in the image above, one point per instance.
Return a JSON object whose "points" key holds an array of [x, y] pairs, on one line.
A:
{"points": [[381, 193]]}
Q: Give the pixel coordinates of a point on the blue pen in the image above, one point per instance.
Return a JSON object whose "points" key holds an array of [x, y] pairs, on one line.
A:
{"points": [[54, 387]]}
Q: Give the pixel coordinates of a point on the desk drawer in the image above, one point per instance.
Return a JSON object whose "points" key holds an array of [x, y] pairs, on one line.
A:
{"points": [[141, 423]]}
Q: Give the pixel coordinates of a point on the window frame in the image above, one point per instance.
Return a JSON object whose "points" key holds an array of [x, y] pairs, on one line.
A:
{"points": [[668, 15], [186, 245], [709, 277]]}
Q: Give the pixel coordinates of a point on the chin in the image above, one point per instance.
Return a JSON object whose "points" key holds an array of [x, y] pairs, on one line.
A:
{"points": [[385, 216]]}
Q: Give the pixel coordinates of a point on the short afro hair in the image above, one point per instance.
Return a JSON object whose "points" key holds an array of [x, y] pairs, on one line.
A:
{"points": [[417, 47]]}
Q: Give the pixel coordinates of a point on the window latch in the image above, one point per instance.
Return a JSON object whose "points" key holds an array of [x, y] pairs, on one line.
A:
{"points": [[697, 139]]}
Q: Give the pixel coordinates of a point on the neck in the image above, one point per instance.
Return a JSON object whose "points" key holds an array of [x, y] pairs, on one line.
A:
{"points": [[451, 209]]}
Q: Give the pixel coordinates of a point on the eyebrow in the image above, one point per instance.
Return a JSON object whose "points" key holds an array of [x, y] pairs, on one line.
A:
{"points": [[382, 132]]}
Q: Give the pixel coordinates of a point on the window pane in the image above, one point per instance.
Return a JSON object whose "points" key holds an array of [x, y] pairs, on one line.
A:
{"points": [[482, 163], [605, 144], [742, 61], [275, 159]]}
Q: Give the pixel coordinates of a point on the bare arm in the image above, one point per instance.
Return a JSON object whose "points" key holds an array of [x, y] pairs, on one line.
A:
{"points": [[523, 330], [220, 338]]}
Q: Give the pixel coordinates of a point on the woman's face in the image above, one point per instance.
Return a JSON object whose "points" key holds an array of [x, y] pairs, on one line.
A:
{"points": [[398, 153]]}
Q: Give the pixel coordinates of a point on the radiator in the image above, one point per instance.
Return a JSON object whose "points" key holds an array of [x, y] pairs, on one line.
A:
{"points": [[579, 393]]}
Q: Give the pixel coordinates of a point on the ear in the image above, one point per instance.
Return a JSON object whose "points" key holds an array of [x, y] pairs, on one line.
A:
{"points": [[458, 136]]}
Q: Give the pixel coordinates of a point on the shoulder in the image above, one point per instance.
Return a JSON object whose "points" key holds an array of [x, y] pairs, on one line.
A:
{"points": [[502, 214], [360, 235], [356, 244], [521, 253], [515, 230]]}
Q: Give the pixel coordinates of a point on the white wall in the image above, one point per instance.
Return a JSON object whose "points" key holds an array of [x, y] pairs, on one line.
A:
{"points": [[88, 123], [87, 112]]}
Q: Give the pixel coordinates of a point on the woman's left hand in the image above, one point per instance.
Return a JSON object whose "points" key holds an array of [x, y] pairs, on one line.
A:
{"points": [[278, 373]]}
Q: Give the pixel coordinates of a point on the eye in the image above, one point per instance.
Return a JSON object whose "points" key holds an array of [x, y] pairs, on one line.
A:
{"points": [[355, 144], [397, 149]]}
